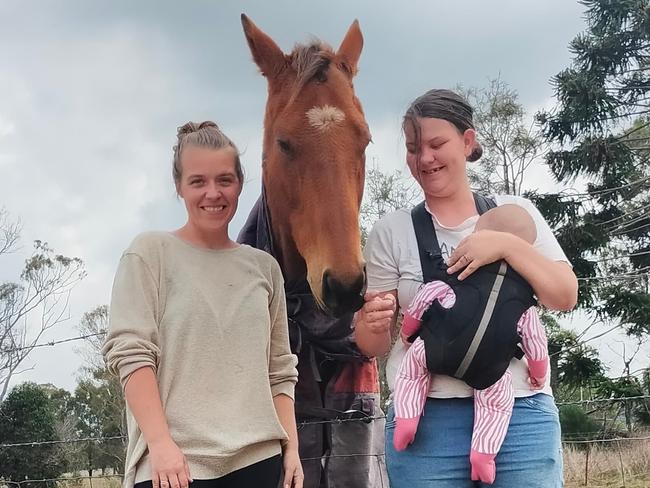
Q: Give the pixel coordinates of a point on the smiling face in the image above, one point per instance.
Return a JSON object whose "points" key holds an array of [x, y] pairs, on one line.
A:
{"points": [[437, 156], [210, 186]]}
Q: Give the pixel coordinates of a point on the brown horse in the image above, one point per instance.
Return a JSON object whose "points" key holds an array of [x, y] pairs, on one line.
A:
{"points": [[315, 136]]}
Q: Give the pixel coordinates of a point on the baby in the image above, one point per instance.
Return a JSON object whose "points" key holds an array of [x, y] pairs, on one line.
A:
{"points": [[492, 405]]}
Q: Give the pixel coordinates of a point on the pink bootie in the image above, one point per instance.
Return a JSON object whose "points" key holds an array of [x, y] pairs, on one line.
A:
{"points": [[404, 434], [483, 467]]}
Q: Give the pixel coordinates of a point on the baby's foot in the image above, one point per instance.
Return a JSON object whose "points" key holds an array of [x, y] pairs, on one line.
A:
{"points": [[405, 430], [483, 467]]}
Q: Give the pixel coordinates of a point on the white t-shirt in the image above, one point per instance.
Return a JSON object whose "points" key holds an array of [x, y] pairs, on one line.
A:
{"points": [[393, 263]]}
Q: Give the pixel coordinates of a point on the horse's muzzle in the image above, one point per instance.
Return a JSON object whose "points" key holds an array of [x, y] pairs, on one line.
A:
{"points": [[343, 297]]}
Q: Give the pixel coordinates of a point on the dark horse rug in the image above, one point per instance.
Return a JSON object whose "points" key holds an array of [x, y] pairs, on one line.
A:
{"points": [[340, 424]]}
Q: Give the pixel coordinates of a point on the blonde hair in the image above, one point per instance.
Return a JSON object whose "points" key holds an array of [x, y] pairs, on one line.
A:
{"points": [[205, 134], [509, 218]]}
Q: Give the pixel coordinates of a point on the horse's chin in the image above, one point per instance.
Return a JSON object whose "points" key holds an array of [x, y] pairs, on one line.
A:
{"points": [[350, 307]]}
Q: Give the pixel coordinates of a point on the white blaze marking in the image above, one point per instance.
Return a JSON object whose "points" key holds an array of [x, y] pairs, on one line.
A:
{"points": [[322, 118]]}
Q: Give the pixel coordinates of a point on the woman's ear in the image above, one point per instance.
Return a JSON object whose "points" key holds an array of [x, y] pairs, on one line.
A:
{"points": [[473, 149], [469, 141]]}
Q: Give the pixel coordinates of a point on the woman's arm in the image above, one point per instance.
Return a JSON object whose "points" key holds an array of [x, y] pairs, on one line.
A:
{"points": [[283, 376], [168, 464], [132, 351], [374, 323], [293, 475], [554, 282], [142, 395]]}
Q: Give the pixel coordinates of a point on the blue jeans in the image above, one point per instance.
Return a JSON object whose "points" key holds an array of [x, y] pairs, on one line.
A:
{"points": [[531, 455]]}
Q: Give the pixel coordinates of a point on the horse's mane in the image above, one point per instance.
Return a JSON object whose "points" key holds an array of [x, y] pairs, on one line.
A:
{"points": [[311, 61]]}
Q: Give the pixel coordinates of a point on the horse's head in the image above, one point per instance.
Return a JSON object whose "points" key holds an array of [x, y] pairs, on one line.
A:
{"points": [[315, 136]]}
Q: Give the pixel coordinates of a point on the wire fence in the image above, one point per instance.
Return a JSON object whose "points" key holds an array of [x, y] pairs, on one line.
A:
{"points": [[616, 449], [585, 443], [345, 417], [603, 400], [606, 441]]}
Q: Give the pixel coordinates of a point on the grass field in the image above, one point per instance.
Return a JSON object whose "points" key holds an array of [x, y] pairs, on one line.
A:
{"points": [[625, 465]]}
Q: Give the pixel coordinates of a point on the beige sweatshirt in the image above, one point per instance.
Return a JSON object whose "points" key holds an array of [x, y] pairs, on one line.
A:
{"points": [[213, 326]]}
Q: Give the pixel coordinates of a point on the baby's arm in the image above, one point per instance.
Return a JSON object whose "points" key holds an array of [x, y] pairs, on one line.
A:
{"points": [[428, 292], [535, 346]]}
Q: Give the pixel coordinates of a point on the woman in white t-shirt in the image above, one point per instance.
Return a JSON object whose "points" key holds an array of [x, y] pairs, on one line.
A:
{"points": [[440, 139]]}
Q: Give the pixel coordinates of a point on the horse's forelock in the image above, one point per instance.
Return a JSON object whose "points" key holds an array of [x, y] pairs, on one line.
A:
{"points": [[311, 61]]}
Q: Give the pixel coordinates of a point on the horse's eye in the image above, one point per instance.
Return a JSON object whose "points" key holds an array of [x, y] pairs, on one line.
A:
{"points": [[285, 147]]}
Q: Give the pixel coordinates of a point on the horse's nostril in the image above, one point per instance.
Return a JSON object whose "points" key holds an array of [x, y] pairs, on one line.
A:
{"points": [[328, 282], [331, 289]]}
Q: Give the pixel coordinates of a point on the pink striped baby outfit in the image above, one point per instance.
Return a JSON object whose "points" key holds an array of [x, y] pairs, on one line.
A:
{"points": [[492, 406]]}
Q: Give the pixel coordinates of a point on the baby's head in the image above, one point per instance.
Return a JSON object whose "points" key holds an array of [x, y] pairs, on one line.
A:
{"points": [[509, 218]]}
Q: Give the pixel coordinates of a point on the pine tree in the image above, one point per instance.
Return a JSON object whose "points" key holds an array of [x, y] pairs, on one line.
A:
{"points": [[600, 135]]}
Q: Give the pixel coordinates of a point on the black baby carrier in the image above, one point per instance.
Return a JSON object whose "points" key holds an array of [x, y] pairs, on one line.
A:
{"points": [[475, 339]]}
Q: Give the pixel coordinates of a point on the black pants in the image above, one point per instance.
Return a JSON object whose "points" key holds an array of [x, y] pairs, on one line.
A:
{"points": [[264, 474]]}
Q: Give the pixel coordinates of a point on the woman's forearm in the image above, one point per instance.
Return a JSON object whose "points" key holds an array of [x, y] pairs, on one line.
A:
{"points": [[143, 397], [371, 343], [284, 407], [554, 282]]}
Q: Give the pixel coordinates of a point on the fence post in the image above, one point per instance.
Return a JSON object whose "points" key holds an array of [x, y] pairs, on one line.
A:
{"points": [[620, 458], [587, 464]]}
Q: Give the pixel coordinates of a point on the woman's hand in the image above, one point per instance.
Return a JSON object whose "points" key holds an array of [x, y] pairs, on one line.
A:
{"points": [[373, 323], [293, 475], [377, 313], [478, 249], [169, 467]]}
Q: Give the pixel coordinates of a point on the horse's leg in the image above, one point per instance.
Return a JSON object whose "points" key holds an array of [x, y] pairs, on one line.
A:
{"points": [[357, 446]]}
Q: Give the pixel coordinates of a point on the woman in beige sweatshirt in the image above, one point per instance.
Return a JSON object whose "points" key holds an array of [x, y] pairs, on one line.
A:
{"points": [[198, 335]]}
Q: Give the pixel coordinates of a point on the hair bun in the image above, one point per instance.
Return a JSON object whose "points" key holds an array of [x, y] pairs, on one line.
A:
{"points": [[191, 127], [208, 123], [477, 152], [187, 128]]}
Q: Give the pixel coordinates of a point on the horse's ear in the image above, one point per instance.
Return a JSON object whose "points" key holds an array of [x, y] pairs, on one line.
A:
{"points": [[266, 53], [350, 49]]}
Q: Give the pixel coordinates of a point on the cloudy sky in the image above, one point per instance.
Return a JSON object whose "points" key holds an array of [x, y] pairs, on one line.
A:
{"points": [[91, 94]]}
